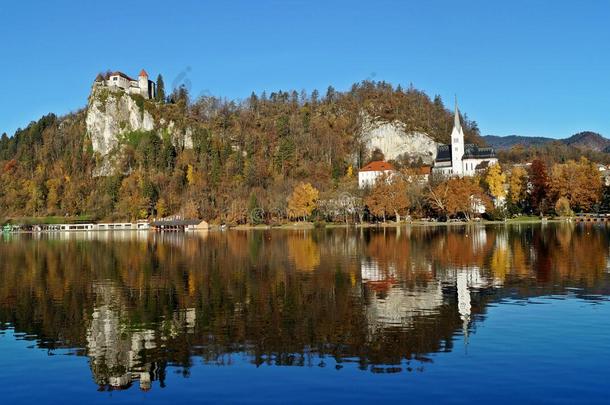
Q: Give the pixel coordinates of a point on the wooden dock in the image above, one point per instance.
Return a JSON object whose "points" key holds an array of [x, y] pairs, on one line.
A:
{"points": [[178, 225]]}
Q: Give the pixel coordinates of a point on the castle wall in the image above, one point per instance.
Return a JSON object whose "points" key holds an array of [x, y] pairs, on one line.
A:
{"points": [[118, 81]]}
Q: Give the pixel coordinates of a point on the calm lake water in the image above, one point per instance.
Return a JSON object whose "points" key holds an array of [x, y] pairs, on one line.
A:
{"points": [[459, 314]]}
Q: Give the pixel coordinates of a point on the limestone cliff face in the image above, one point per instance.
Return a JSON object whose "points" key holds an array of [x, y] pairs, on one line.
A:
{"points": [[112, 113], [392, 139]]}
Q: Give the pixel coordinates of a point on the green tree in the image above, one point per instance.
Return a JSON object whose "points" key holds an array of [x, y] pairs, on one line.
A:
{"points": [[254, 216], [160, 89]]}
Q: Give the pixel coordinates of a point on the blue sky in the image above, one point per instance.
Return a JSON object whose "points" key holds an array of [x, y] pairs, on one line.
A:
{"points": [[527, 67]]}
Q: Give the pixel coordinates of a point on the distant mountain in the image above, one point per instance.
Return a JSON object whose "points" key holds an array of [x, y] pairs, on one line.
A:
{"points": [[588, 140], [507, 142], [583, 140]]}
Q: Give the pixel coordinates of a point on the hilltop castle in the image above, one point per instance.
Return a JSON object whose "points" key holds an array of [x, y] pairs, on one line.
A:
{"points": [[142, 86]]}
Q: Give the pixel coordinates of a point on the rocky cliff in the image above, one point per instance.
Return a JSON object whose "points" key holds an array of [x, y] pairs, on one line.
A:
{"points": [[395, 142], [112, 113]]}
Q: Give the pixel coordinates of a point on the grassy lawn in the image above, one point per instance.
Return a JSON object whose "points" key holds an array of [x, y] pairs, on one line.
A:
{"points": [[525, 218]]}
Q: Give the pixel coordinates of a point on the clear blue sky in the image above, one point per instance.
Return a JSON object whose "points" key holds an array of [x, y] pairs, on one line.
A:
{"points": [[527, 67]]}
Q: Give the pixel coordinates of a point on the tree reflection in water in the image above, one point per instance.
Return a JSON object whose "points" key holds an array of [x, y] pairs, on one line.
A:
{"points": [[381, 298]]}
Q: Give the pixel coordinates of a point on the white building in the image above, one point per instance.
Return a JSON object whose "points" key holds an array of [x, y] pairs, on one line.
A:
{"points": [[367, 176], [142, 86], [459, 159]]}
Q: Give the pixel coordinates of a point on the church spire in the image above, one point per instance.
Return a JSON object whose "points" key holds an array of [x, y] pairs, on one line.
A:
{"points": [[456, 122]]}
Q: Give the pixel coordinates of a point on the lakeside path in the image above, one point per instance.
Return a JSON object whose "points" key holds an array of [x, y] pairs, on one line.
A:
{"points": [[311, 225]]}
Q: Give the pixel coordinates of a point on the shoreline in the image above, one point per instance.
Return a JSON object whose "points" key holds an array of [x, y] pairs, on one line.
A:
{"points": [[312, 226]]}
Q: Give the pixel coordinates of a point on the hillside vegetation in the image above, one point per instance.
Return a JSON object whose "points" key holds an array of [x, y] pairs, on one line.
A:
{"points": [[245, 154]]}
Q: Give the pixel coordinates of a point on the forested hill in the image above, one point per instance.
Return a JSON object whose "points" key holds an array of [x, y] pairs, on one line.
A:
{"points": [[244, 154], [508, 141], [584, 140]]}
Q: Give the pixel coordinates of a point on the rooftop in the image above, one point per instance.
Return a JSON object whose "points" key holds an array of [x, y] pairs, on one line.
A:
{"points": [[123, 75], [471, 151], [377, 166]]}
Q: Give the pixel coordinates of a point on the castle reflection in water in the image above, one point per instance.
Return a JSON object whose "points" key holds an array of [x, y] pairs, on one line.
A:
{"points": [[381, 299]]}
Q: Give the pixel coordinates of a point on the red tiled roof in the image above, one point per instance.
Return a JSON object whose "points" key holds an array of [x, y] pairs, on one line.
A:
{"points": [[143, 73], [377, 166]]}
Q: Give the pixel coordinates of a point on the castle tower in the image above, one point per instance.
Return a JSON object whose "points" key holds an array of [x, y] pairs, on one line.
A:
{"points": [[457, 144], [143, 84]]}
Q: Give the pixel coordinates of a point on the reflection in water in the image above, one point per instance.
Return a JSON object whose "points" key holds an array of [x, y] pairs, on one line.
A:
{"points": [[382, 299]]}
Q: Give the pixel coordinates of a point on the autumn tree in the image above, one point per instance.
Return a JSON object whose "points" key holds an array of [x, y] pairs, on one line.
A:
{"points": [[577, 181], [302, 201], [496, 183], [458, 196], [161, 208], [190, 210], [517, 187], [562, 207], [131, 200], [539, 186], [389, 195]]}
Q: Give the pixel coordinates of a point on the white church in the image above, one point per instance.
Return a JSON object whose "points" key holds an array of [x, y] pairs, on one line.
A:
{"points": [[459, 159], [142, 86]]}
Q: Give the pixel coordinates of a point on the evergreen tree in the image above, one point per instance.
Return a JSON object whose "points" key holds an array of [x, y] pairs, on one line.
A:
{"points": [[4, 145], [253, 210], [160, 89]]}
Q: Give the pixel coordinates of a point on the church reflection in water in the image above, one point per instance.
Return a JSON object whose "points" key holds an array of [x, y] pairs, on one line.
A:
{"points": [[380, 299]]}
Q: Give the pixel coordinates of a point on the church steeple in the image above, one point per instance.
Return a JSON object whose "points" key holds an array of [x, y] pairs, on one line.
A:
{"points": [[456, 121], [457, 144]]}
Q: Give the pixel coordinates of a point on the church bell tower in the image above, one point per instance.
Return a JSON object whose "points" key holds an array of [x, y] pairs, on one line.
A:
{"points": [[457, 144]]}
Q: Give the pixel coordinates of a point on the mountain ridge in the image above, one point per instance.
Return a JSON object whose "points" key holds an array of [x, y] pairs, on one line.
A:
{"points": [[586, 140]]}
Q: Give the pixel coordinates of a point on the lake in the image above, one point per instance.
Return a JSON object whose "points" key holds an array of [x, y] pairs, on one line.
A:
{"points": [[502, 313]]}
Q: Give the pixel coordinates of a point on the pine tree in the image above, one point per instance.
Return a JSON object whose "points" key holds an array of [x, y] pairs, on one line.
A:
{"points": [[253, 210], [160, 89]]}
